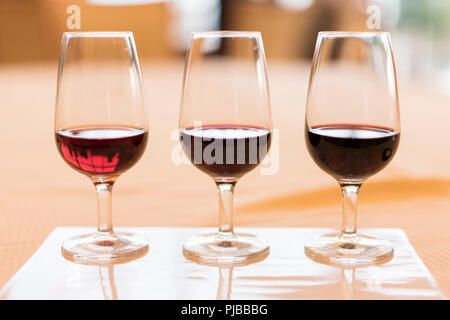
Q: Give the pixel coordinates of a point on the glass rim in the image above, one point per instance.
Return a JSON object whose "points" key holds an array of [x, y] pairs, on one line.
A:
{"points": [[225, 34], [97, 34], [353, 33]]}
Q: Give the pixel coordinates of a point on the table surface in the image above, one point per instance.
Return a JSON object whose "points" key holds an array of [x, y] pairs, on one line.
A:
{"points": [[40, 192], [164, 273]]}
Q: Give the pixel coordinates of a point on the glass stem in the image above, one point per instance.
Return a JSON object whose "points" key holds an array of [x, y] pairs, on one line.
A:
{"points": [[226, 191], [104, 190], [349, 206]]}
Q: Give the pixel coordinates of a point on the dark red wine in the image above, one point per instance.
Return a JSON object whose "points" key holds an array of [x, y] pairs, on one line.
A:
{"points": [[225, 151], [98, 151], [352, 151]]}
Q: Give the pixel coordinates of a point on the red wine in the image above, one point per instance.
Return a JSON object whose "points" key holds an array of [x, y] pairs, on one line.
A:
{"points": [[352, 151], [101, 151], [225, 151]]}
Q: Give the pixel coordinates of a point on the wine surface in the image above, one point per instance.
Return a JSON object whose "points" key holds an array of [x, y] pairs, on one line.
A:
{"points": [[225, 151], [101, 151], [351, 151]]}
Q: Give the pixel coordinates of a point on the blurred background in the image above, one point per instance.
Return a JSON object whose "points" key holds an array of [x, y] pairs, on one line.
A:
{"points": [[38, 191], [30, 30]]}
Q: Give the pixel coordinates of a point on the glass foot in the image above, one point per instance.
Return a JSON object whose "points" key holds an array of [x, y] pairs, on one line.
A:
{"points": [[212, 249], [357, 251], [98, 249]]}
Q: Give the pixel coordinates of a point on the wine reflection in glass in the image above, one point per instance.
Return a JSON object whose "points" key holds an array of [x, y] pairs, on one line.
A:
{"points": [[101, 130], [352, 131], [225, 130], [107, 282], [225, 285]]}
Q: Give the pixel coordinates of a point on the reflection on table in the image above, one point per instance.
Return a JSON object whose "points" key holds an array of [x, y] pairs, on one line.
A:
{"points": [[164, 273]]}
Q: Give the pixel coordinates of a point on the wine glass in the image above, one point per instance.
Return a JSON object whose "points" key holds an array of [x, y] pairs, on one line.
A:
{"points": [[101, 126], [225, 130], [352, 131]]}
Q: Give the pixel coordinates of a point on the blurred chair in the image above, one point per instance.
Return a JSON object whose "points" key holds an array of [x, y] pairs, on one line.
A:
{"points": [[148, 23], [32, 30], [288, 30], [20, 36]]}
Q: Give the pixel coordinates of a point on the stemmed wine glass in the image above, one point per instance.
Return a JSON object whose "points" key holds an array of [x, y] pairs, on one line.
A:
{"points": [[225, 130], [101, 128], [352, 131]]}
